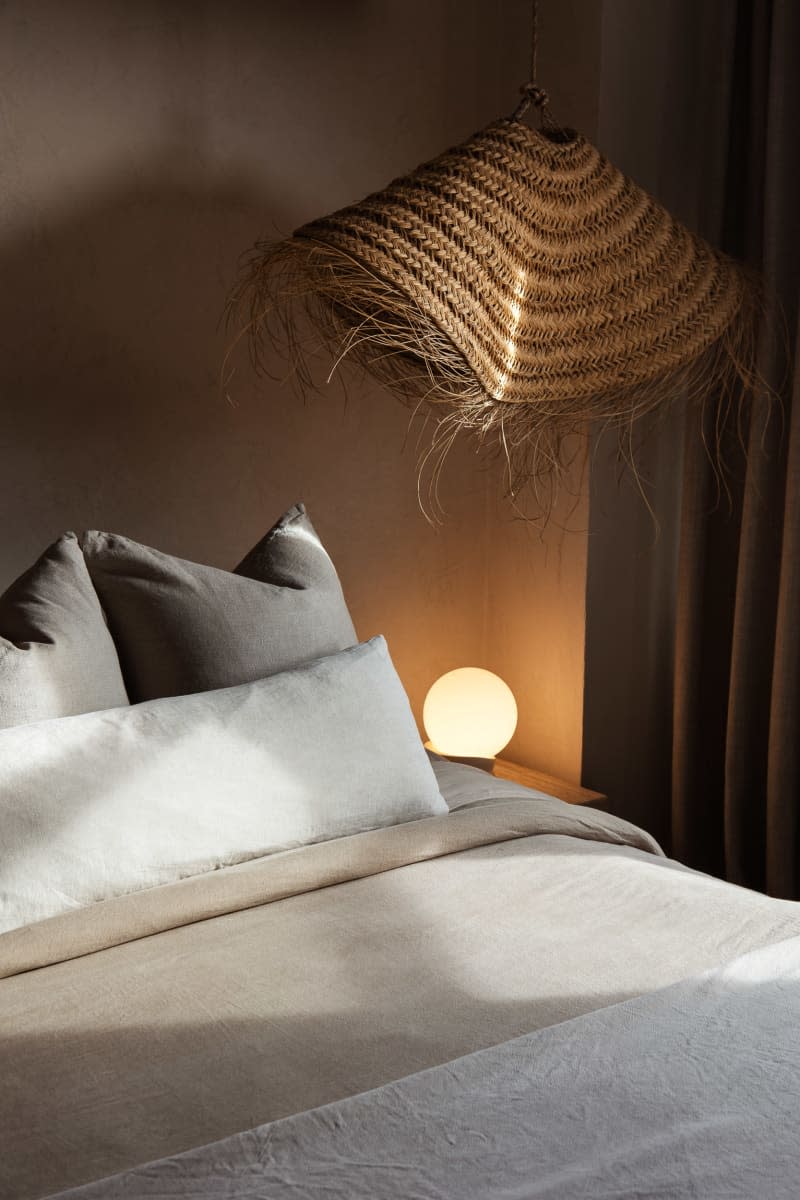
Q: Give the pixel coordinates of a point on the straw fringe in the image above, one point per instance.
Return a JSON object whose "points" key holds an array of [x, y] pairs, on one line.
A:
{"points": [[519, 286]]}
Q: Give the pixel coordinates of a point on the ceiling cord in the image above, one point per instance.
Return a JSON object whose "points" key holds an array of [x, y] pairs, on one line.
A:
{"points": [[532, 94]]}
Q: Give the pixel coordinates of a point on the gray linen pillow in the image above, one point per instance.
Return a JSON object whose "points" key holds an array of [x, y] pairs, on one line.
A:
{"points": [[181, 627], [105, 804], [56, 654]]}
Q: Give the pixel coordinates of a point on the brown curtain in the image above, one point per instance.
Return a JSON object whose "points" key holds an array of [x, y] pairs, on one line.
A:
{"points": [[709, 714]]}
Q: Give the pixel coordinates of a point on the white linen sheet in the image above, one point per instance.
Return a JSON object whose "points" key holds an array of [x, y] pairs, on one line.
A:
{"points": [[215, 1005], [691, 1091]]}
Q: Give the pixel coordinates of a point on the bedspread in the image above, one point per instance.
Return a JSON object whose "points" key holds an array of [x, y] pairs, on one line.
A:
{"points": [[177, 1017], [693, 1091]]}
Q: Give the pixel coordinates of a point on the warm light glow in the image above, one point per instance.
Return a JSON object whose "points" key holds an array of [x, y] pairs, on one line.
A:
{"points": [[469, 713], [511, 343]]}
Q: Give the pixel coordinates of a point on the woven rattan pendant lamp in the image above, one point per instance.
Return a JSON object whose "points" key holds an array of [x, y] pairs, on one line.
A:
{"points": [[520, 284]]}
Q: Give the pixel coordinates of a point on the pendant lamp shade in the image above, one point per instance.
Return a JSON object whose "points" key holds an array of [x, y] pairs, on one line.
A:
{"points": [[522, 282]]}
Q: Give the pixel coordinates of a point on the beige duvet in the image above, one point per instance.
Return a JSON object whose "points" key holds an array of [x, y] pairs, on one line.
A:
{"points": [[148, 1025]]}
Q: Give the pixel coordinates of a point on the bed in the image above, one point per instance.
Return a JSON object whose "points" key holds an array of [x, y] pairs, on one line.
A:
{"points": [[504, 996]]}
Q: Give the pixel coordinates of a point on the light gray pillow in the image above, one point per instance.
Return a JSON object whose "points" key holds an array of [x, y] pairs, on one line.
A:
{"points": [[109, 803], [181, 627], [56, 654]]}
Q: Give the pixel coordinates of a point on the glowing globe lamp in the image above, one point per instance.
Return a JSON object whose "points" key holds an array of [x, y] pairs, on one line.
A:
{"points": [[469, 713]]}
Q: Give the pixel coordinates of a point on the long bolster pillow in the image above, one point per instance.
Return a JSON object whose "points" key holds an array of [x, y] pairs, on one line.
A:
{"points": [[104, 804]]}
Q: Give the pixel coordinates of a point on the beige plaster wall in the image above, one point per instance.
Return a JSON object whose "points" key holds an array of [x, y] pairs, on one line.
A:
{"points": [[145, 145]]}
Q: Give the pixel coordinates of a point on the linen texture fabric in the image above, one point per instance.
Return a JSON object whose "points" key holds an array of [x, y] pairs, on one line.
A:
{"points": [[331, 969], [664, 1103], [182, 627], [101, 805], [57, 657]]}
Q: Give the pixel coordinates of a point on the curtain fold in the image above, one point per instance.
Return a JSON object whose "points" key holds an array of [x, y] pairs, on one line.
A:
{"points": [[731, 804], [762, 201], [783, 761]]}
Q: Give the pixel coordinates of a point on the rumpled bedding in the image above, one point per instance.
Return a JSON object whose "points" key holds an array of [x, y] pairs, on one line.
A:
{"points": [[145, 1026], [691, 1091]]}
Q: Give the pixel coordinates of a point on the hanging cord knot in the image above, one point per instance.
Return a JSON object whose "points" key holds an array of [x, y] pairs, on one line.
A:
{"points": [[534, 95]]}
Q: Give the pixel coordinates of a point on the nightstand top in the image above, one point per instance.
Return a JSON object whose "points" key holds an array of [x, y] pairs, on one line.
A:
{"points": [[571, 792]]}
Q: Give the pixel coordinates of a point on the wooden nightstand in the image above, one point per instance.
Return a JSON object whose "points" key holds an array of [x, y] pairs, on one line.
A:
{"points": [[571, 792]]}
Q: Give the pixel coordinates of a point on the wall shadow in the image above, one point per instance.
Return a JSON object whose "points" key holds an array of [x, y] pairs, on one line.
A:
{"points": [[112, 321]]}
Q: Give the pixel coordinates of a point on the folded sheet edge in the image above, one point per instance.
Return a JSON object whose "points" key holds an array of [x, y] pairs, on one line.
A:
{"points": [[308, 868]]}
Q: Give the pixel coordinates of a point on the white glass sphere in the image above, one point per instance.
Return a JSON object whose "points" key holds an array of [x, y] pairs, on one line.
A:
{"points": [[469, 713]]}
